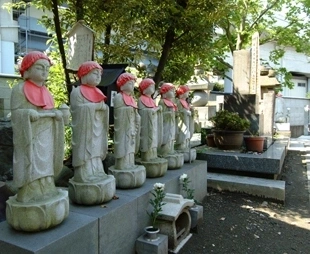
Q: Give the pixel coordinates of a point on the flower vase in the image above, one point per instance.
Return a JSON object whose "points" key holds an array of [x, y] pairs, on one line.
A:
{"points": [[152, 242], [151, 233]]}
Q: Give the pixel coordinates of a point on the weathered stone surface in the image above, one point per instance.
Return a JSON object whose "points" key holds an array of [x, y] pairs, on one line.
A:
{"points": [[175, 219], [37, 215], [154, 168], [92, 193], [129, 178], [269, 162]]}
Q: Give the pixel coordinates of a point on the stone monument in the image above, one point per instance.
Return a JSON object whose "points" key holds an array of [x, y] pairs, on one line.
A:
{"points": [[185, 125], [127, 126], [38, 138], [166, 150], [254, 91], [151, 131], [281, 117], [90, 125]]}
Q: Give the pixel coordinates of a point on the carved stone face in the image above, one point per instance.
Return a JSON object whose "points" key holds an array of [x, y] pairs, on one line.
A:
{"points": [[184, 95], [93, 78], [149, 90], [128, 86], [38, 72], [169, 94]]}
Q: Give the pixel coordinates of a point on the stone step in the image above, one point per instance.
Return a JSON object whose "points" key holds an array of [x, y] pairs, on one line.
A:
{"points": [[273, 189]]}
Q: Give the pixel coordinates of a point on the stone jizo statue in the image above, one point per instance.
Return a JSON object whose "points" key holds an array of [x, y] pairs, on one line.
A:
{"points": [[38, 137], [167, 102], [127, 126], [184, 123], [90, 126], [127, 123], [169, 108], [151, 130], [184, 119]]}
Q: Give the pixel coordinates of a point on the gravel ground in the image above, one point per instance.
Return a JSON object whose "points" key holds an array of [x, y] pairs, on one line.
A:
{"points": [[244, 224]]}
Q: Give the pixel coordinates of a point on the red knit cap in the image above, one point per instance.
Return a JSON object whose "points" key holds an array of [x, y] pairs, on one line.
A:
{"points": [[145, 83], [125, 77], [165, 87], [86, 67], [30, 59], [182, 89]]}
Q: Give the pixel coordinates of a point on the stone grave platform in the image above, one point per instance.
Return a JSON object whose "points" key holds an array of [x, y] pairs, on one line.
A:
{"points": [[269, 162], [109, 228]]}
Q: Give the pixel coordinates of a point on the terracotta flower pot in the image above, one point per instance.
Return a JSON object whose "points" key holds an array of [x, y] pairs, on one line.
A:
{"points": [[254, 144]]}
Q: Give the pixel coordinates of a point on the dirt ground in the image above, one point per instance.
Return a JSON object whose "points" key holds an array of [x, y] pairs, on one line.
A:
{"points": [[243, 224]]}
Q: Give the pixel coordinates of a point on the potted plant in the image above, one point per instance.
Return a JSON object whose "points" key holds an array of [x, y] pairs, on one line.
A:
{"points": [[151, 241], [210, 140], [157, 204], [254, 143], [228, 129]]}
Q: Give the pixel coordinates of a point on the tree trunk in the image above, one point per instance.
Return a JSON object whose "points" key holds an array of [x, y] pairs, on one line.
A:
{"points": [[169, 39], [107, 40], [79, 10]]}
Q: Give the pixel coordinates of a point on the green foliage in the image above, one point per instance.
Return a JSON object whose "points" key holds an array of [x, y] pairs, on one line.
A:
{"points": [[56, 81], [218, 87], [157, 202], [181, 34], [225, 120], [184, 179]]}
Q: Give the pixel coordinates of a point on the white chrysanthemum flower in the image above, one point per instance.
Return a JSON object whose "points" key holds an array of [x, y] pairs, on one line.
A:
{"points": [[159, 186], [183, 177]]}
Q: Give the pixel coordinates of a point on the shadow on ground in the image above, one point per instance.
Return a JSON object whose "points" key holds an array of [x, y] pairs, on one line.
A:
{"points": [[241, 224]]}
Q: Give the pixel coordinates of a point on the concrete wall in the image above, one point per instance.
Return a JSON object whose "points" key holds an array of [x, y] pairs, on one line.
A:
{"points": [[111, 228]]}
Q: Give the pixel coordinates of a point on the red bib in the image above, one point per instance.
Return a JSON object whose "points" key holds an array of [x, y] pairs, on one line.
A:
{"points": [[92, 93], [148, 101], [170, 104], [38, 95], [184, 103], [129, 100]]}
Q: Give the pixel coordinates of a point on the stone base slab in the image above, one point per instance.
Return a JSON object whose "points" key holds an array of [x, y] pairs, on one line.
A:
{"points": [[273, 189], [92, 193], [129, 178], [37, 216], [268, 162]]}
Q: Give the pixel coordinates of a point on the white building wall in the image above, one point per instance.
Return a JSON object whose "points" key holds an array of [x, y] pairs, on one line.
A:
{"points": [[8, 36]]}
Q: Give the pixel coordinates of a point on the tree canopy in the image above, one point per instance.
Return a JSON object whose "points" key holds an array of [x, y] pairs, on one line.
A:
{"points": [[180, 34]]}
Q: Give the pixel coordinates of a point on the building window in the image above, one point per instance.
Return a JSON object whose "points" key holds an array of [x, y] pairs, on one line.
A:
{"points": [[301, 84]]}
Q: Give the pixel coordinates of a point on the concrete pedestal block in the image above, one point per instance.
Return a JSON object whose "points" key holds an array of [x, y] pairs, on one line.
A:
{"points": [[129, 178], [92, 193], [154, 168], [157, 246], [77, 234], [37, 215], [196, 213], [175, 160]]}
